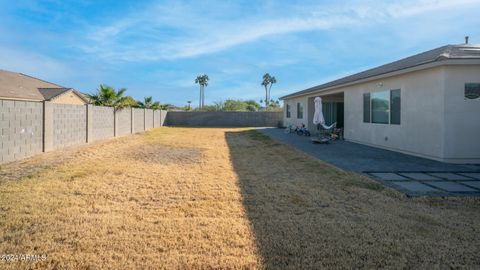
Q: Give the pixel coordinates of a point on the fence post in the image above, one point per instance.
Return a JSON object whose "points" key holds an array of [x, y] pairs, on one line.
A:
{"points": [[115, 132], [47, 143], [144, 119], [89, 123], [132, 122]]}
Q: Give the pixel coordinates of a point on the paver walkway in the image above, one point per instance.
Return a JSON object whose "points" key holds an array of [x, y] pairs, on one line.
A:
{"points": [[412, 175]]}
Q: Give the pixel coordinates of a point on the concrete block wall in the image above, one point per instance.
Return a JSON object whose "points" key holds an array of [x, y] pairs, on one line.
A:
{"points": [[28, 128], [69, 125], [225, 119], [163, 117], [148, 119], [156, 118], [123, 122], [102, 120], [21, 125], [138, 120]]}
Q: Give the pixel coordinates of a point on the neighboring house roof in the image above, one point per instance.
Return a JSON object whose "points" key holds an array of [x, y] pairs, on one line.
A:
{"points": [[15, 85], [51, 93], [447, 52]]}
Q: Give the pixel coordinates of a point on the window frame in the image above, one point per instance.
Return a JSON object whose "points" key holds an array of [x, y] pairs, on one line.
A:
{"points": [[369, 95], [288, 111]]}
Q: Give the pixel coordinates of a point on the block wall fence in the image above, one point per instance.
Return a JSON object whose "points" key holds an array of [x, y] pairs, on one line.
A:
{"points": [[28, 128]]}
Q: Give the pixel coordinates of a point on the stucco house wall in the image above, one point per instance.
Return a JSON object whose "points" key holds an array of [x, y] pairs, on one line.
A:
{"points": [[437, 121], [68, 98], [421, 129], [462, 116], [293, 119]]}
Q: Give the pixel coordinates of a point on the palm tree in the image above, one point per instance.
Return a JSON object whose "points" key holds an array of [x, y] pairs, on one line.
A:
{"points": [[202, 80], [148, 103], [107, 96], [268, 82]]}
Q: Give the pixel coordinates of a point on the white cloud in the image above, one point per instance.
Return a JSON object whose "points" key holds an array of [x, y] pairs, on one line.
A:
{"points": [[143, 36]]}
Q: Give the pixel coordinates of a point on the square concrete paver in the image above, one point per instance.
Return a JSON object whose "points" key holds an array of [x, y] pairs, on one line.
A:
{"points": [[450, 176], [452, 187], [475, 184], [420, 176], [389, 176], [415, 186], [472, 175]]}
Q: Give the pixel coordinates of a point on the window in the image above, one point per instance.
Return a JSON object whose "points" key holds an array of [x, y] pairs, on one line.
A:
{"points": [[395, 107], [287, 109], [366, 108], [299, 111], [472, 90], [382, 107]]}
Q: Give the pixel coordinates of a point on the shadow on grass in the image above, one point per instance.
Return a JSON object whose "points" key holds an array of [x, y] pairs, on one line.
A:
{"points": [[289, 199]]}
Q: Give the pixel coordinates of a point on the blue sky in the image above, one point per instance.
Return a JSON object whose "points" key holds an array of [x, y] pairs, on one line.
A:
{"points": [[156, 48]]}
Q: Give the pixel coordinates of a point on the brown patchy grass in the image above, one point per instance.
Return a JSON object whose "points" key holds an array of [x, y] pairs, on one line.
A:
{"points": [[201, 198]]}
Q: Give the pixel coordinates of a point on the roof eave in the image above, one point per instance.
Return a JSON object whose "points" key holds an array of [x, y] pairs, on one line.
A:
{"points": [[426, 65]]}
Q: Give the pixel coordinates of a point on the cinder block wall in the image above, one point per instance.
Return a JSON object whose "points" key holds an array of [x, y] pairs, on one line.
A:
{"points": [[21, 125], [225, 119], [123, 122], [156, 119], [69, 125], [28, 128], [138, 120], [148, 119], [103, 125]]}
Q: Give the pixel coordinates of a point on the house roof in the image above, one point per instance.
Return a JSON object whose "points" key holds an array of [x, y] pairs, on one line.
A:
{"points": [[15, 85], [463, 51]]}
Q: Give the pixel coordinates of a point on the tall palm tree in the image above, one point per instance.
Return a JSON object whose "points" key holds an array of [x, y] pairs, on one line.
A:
{"points": [[268, 82], [148, 103], [202, 80], [107, 96]]}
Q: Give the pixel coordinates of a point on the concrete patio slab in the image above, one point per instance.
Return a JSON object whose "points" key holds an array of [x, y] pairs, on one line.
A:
{"points": [[411, 175], [450, 176], [420, 176], [415, 187], [475, 184], [361, 158], [452, 187], [472, 175], [389, 176]]}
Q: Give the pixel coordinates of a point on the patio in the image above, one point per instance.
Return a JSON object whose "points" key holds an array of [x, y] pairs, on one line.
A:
{"points": [[411, 175]]}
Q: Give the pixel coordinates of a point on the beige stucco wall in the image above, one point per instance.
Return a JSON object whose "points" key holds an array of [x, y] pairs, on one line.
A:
{"points": [[421, 129], [462, 116], [293, 120], [68, 97], [436, 120]]}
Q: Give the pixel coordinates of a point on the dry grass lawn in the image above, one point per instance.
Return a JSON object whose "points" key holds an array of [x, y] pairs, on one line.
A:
{"points": [[201, 198]]}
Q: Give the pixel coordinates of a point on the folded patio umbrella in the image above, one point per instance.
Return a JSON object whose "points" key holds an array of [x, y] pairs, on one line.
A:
{"points": [[318, 118]]}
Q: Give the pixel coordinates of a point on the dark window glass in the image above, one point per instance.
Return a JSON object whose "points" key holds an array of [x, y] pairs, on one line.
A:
{"points": [[288, 110], [366, 108], [299, 111], [395, 107], [380, 107], [472, 90]]}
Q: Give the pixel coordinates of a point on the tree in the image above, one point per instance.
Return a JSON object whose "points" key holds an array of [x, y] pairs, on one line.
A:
{"points": [[148, 103], [252, 106], [107, 96], [268, 82], [166, 107], [189, 108], [130, 102], [202, 80]]}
